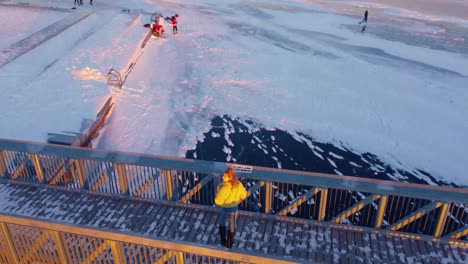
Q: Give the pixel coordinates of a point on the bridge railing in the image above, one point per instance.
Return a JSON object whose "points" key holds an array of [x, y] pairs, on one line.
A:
{"points": [[395, 208], [24, 240]]}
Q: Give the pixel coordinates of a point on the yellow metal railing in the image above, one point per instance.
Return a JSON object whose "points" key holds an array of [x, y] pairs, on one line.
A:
{"points": [[24, 240], [389, 206]]}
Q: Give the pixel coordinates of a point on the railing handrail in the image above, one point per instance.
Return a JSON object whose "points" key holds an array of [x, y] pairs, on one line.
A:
{"points": [[142, 240], [439, 193]]}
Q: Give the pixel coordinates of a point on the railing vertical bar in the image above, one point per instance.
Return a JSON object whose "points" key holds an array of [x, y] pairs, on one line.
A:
{"points": [[117, 252], [442, 220], [169, 184], [146, 180], [425, 225], [268, 197], [454, 211], [10, 246], [399, 205], [122, 169], [113, 179], [153, 192], [390, 215], [415, 224], [382, 204], [131, 180], [80, 249], [180, 258], [331, 204], [3, 167], [342, 197], [23, 245], [74, 243], [323, 204], [7, 159], [138, 181], [67, 246]]}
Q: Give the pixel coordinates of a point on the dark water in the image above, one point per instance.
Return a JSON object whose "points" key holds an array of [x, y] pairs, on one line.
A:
{"points": [[233, 140], [243, 142]]}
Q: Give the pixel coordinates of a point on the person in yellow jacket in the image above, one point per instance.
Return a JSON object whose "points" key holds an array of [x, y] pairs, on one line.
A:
{"points": [[230, 194]]}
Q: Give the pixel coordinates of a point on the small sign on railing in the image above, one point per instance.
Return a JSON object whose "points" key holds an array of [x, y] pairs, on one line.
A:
{"points": [[242, 168]]}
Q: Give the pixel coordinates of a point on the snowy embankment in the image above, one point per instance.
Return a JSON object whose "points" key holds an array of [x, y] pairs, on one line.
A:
{"points": [[61, 85]]}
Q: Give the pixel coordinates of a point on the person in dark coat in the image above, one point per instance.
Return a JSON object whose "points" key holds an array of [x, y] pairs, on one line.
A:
{"points": [[365, 17]]}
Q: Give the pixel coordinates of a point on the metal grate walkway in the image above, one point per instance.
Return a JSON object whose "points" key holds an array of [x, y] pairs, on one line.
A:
{"points": [[295, 240]]}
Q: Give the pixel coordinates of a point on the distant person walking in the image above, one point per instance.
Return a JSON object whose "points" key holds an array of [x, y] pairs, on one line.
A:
{"points": [[366, 14], [230, 194]]}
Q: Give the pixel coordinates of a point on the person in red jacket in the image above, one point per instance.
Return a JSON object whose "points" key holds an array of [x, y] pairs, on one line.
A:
{"points": [[174, 24], [158, 30]]}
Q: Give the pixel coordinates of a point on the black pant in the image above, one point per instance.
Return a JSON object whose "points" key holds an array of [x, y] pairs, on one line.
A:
{"points": [[174, 29]]}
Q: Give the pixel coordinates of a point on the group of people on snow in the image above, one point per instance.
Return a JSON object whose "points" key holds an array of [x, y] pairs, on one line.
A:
{"points": [[157, 26]]}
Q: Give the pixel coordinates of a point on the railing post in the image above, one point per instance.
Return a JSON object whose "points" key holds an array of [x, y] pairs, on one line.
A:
{"points": [[123, 180], [3, 168], [60, 247], [268, 197], [169, 184], [381, 211], [442, 220], [323, 204], [37, 167], [11, 248], [117, 252], [180, 258], [79, 166]]}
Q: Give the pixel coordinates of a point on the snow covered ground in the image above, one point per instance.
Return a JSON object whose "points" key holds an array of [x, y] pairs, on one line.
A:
{"points": [[397, 90]]}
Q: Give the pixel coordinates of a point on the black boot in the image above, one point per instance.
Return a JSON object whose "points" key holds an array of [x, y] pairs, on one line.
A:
{"points": [[222, 234], [230, 239]]}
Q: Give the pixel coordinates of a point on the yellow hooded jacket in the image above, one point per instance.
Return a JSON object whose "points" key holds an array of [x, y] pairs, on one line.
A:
{"points": [[229, 196]]}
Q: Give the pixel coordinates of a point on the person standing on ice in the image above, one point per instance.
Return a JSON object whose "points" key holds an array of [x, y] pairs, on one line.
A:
{"points": [[230, 194], [174, 24], [365, 17]]}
